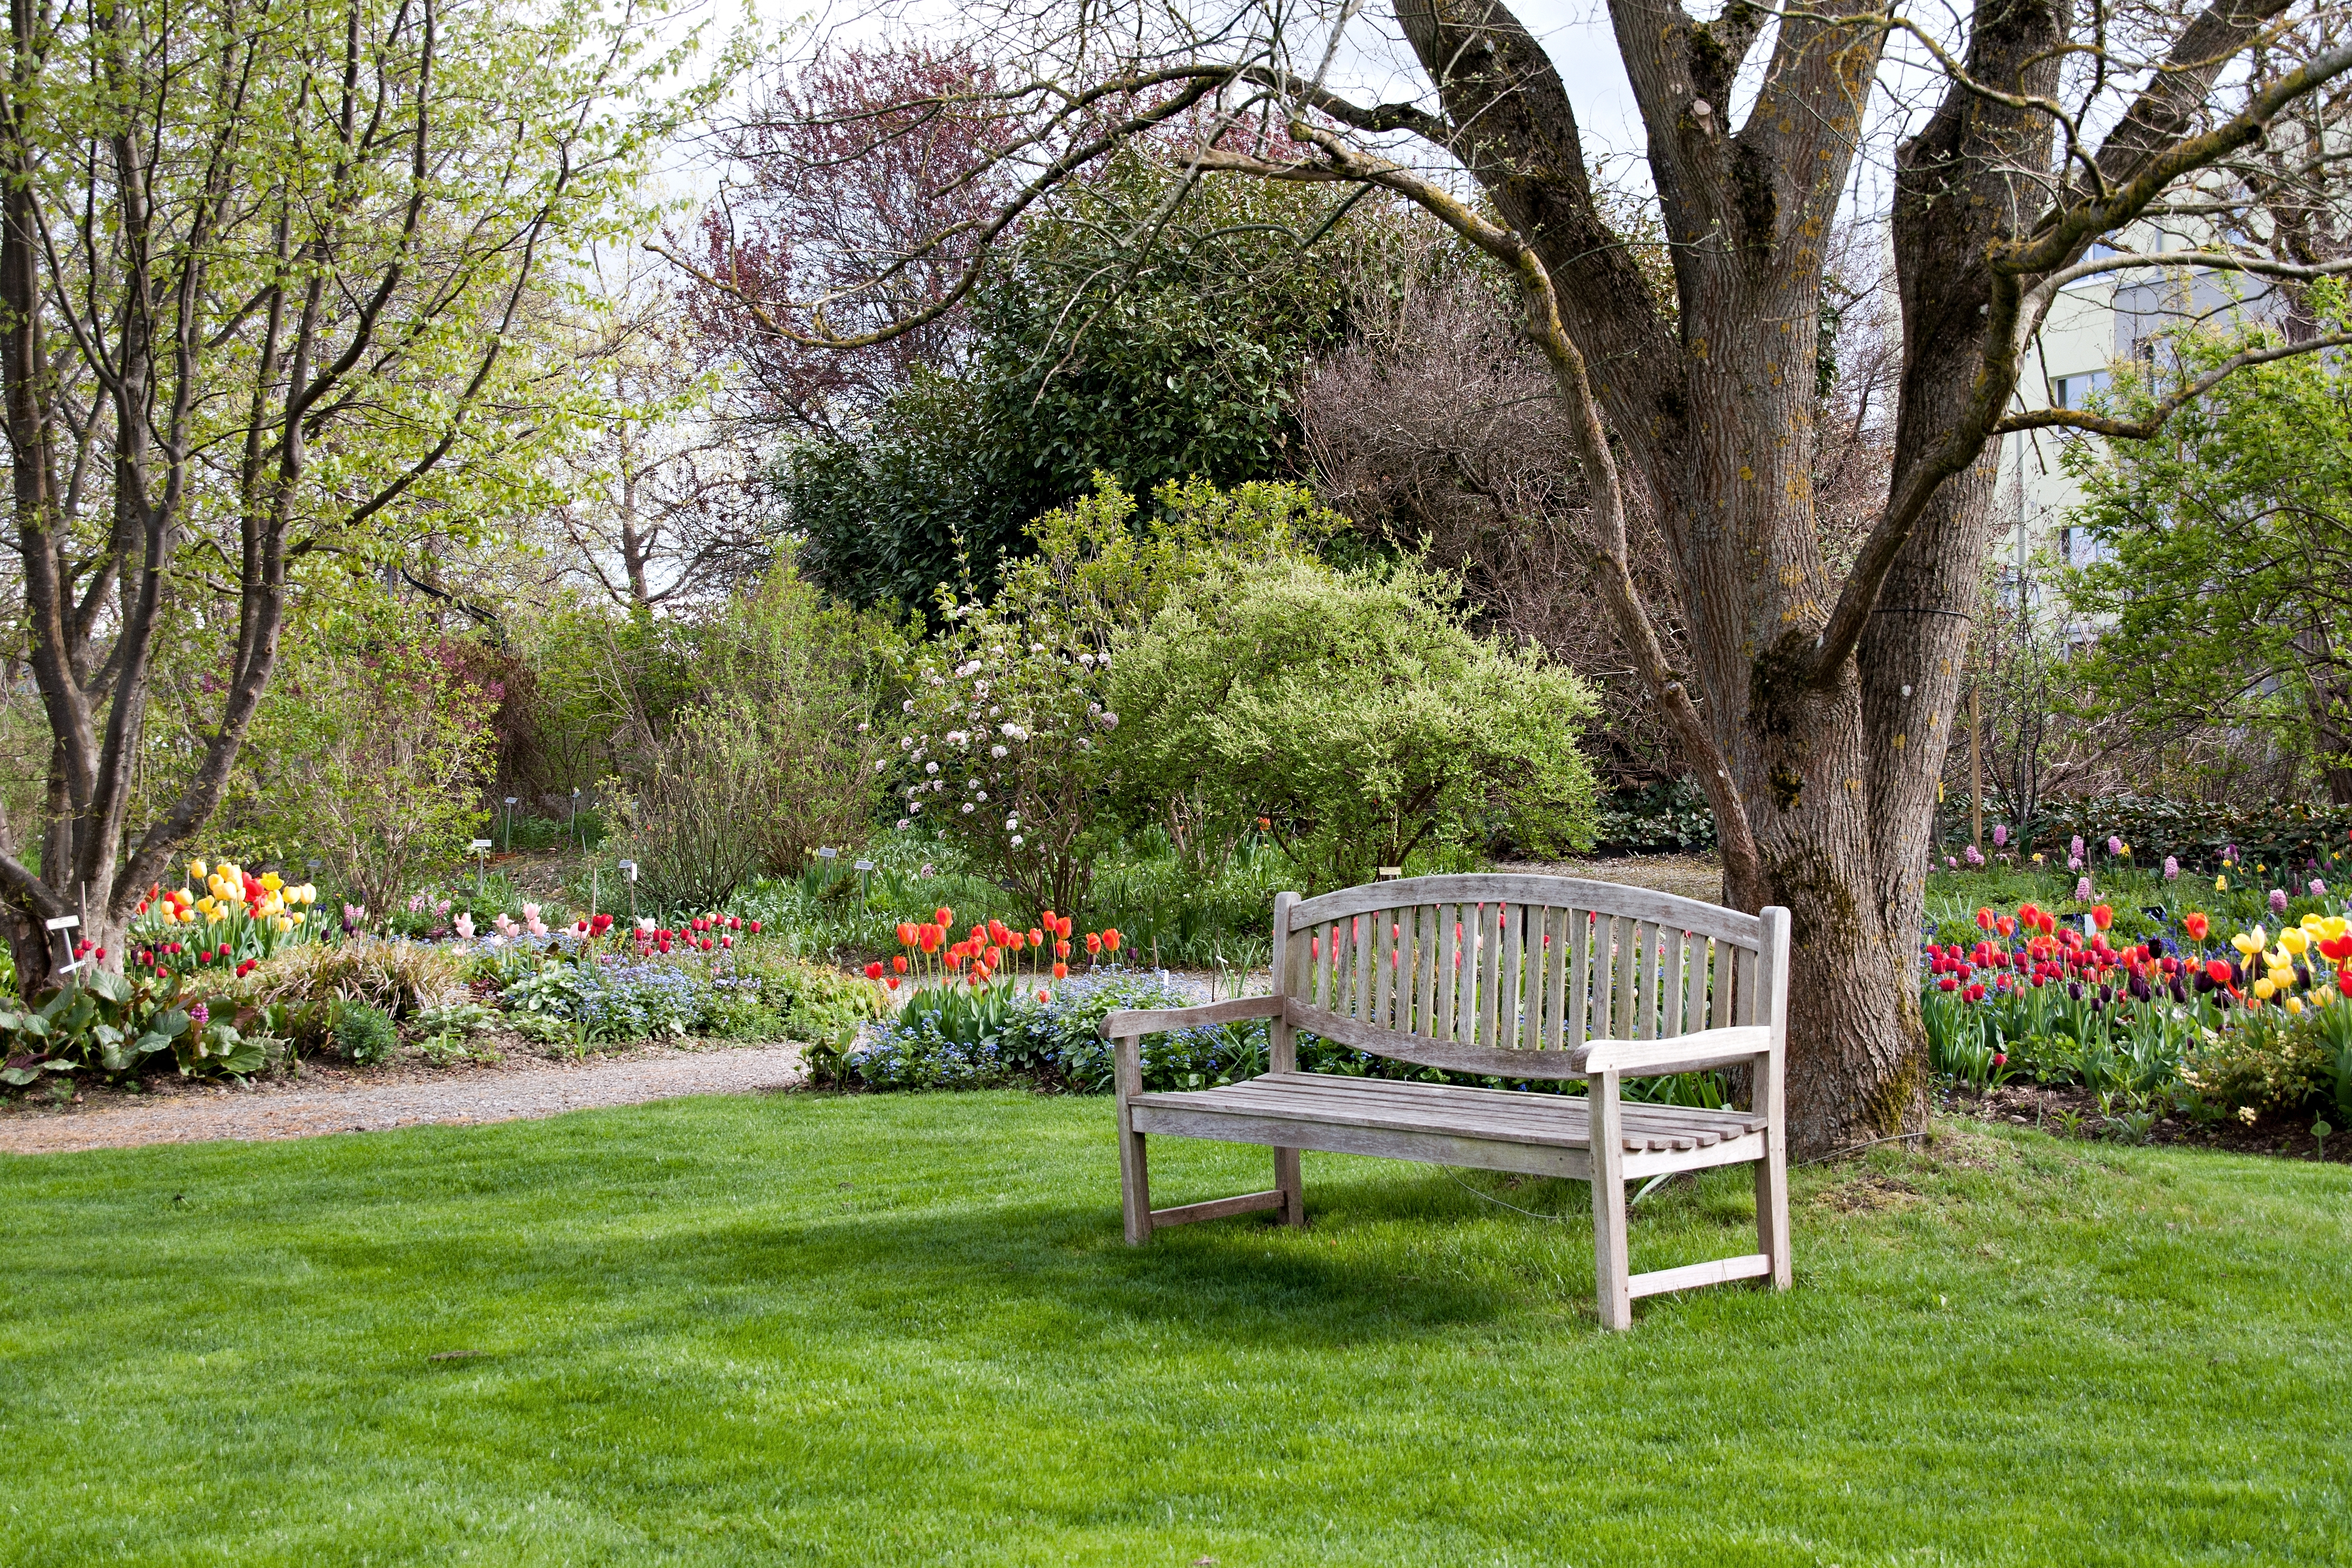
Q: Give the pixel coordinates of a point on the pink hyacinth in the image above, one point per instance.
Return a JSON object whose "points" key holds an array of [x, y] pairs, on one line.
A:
{"points": [[2171, 868], [2075, 847], [2083, 890], [2278, 901], [2114, 845], [1973, 855], [1999, 835], [2318, 888]]}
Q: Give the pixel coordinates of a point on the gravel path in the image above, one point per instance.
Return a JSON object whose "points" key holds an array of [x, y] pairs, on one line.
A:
{"points": [[513, 1089]]}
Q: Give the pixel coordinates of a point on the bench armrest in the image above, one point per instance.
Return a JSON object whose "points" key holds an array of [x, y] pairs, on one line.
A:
{"points": [[1135, 1022], [1683, 1053]]}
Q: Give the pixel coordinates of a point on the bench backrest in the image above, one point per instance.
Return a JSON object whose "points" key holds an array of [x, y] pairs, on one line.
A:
{"points": [[1510, 975]]}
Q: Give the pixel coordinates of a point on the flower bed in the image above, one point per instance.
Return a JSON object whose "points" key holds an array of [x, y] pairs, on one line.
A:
{"points": [[2185, 1020]]}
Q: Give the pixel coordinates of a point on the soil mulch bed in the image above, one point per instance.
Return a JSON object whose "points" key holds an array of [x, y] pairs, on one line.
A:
{"points": [[2075, 1112], [328, 1097]]}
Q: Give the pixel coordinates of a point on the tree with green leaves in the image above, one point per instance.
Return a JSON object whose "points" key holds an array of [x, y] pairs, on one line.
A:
{"points": [[1089, 353], [2223, 576], [264, 267]]}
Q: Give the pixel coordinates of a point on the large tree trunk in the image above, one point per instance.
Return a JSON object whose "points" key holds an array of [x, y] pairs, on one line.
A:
{"points": [[1829, 762]]}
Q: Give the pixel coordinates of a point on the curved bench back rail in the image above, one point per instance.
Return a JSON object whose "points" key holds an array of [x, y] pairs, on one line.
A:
{"points": [[1509, 975]]}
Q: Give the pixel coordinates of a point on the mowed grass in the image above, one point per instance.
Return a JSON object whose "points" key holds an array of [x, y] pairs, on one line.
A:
{"points": [[882, 1329]]}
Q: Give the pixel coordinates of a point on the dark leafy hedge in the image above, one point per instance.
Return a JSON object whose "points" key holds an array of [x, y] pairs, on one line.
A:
{"points": [[2195, 833], [1658, 819]]}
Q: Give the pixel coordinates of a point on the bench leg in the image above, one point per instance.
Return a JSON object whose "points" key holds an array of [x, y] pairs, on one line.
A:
{"points": [[1772, 1204], [1291, 1185], [1134, 1183], [1612, 1278], [1134, 1174]]}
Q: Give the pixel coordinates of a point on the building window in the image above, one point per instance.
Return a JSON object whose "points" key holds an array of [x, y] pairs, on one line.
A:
{"points": [[2075, 391]]}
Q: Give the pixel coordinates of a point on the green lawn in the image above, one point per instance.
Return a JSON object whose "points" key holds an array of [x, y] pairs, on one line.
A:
{"points": [[904, 1330]]}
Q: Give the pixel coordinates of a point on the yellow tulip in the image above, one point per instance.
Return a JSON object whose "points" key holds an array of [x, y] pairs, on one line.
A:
{"points": [[2332, 928], [272, 881], [2283, 978], [213, 917], [2266, 988], [2220, 884], [2250, 942], [2294, 940], [2294, 1007], [309, 893], [195, 870], [297, 919], [285, 924]]}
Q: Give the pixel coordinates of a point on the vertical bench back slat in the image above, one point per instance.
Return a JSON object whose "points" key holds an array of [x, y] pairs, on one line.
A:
{"points": [[1509, 973]]}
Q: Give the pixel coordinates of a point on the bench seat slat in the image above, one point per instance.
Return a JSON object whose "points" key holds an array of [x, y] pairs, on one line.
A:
{"points": [[1554, 1121], [1638, 1112]]}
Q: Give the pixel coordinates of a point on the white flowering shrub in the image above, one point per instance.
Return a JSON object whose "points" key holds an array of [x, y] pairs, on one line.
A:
{"points": [[1010, 746]]}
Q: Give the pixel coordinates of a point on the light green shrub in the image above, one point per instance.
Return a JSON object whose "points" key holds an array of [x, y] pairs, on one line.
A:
{"points": [[1355, 714]]}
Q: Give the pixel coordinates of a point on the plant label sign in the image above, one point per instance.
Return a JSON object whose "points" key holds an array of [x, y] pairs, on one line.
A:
{"points": [[64, 922]]}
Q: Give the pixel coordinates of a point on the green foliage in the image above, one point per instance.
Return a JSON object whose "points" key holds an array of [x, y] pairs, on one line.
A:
{"points": [[1150, 362], [1658, 818], [103, 1021], [2223, 541], [365, 1034], [372, 749], [1356, 714], [772, 753], [1010, 748]]}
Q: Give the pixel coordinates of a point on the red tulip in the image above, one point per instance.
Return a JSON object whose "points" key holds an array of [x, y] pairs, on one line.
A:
{"points": [[1111, 938], [945, 916], [900, 964], [1061, 971], [873, 972], [755, 928]]}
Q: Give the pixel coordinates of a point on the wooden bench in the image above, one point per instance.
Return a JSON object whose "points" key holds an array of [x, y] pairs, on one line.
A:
{"points": [[1507, 977]]}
